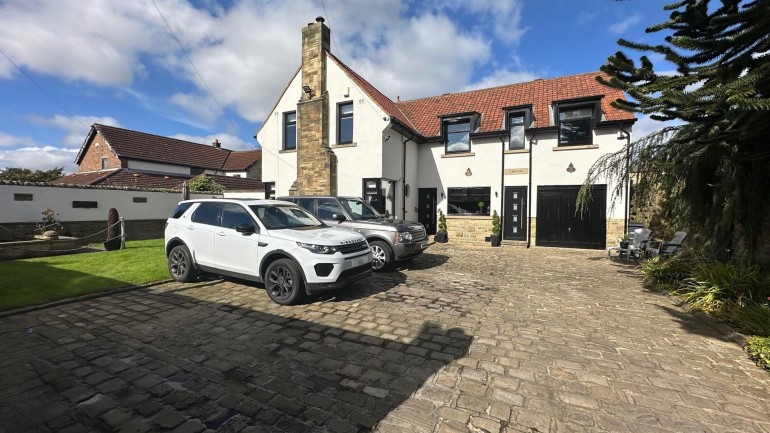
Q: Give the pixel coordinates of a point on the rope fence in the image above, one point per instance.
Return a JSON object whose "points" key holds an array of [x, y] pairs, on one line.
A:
{"points": [[80, 240]]}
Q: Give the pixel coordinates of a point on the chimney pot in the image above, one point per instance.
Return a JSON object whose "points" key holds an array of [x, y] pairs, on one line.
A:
{"points": [[319, 19], [216, 143]]}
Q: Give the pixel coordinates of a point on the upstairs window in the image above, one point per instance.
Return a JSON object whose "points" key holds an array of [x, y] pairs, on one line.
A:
{"points": [[105, 163], [458, 135], [516, 128], [290, 130], [345, 123], [576, 125]]}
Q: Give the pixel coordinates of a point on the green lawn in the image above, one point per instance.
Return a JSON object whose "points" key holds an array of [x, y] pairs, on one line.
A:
{"points": [[37, 281]]}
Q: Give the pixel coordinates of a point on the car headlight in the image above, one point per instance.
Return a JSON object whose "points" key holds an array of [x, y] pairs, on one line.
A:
{"points": [[404, 237], [318, 249]]}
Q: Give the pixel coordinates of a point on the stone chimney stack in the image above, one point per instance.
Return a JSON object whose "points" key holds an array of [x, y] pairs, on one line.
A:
{"points": [[216, 143], [316, 162]]}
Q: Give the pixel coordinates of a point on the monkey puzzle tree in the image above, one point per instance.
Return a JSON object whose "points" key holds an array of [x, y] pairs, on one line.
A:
{"points": [[712, 173]]}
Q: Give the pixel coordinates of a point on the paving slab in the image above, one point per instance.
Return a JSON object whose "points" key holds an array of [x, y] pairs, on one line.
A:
{"points": [[466, 339]]}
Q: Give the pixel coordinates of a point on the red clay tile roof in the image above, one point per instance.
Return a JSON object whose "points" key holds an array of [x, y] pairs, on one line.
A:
{"points": [[231, 183], [124, 177], [241, 160], [149, 147], [541, 94], [87, 178]]}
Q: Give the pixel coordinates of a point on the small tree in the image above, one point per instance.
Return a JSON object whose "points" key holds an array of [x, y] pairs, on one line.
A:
{"points": [[441, 222], [495, 224], [205, 183], [50, 221], [27, 175], [481, 207]]}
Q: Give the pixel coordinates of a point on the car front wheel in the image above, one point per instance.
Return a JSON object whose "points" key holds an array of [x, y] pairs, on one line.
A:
{"points": [[382, 257], [284, 283], [180, 264]]}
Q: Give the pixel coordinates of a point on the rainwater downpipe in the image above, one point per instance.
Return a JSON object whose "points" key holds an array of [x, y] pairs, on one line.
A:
{"points": [[529, 193], [403, 176], [627, 186], [502, 185]]}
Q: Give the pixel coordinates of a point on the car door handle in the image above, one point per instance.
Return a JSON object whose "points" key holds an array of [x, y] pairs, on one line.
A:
{"points": [[261, 244], [191, 227], [220, 233]]}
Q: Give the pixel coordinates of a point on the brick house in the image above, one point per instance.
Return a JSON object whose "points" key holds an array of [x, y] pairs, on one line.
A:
{"points": [[121, 157], [522, 150]]}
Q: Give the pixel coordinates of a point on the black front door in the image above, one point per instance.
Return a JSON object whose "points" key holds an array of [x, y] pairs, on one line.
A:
{"points": [[426, 205], [559, 226], [515, 213]]}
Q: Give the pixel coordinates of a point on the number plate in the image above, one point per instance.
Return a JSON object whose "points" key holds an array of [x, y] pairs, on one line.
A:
{"points": [[358, 261]]}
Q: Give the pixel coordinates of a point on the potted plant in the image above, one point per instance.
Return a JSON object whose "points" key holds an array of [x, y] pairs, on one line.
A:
{"points": [[495, 237], [441, 234], [481, 207], [623, 242]]}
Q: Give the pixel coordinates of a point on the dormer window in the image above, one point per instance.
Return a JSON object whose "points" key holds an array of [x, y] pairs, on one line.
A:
{"points": [[576, 122], [457, 132]]}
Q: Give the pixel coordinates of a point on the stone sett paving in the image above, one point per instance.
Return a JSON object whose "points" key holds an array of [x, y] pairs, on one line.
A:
{"points": [[460, 340]]}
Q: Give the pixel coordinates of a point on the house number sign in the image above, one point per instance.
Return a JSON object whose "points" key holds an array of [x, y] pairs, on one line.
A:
{"points": [[516, 170]]}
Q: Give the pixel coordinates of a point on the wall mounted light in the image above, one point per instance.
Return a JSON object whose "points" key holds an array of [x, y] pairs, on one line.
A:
{"points": [[308, 90]]}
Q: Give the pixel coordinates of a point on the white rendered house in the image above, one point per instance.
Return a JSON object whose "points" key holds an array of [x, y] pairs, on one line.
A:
{"points": [[522, 150]]}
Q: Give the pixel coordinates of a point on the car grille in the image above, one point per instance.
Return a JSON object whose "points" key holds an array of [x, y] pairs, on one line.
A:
{"points": [[418, 235], [352, 248]]}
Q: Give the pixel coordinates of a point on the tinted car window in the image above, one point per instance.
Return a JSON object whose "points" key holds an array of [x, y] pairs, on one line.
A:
{"points": [[180, 210], [328, 207], [275, 217], [307, 203], [207, 213], [359, 210], [234, 215]]}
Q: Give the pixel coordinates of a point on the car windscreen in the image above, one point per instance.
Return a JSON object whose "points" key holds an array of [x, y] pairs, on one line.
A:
{"points": [[276, 217], [359, 209]]}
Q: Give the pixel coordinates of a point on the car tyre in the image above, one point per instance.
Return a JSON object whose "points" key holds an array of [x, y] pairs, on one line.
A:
{"points": [[180, 264], [283, 282], [382, 256]]}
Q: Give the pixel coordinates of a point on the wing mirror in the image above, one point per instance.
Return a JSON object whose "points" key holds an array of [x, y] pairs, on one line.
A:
{"points": [[245, 229], [338, 217]]}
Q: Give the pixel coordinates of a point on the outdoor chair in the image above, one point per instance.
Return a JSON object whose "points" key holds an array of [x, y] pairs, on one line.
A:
{"points": [[666, 249], [636, 248]]}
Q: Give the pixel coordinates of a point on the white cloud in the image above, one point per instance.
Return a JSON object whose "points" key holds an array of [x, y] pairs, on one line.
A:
{"points": [[645, 126], [622, 26], [502, 77], [228, 141], [77, 127], [8, 140], [39, 158]]}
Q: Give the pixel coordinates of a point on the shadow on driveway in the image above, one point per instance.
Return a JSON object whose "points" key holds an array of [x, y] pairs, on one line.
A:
{"points": [[153, 360]]}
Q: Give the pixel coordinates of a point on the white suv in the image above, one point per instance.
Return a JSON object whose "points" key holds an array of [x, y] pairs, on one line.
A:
{"points": [[273, 242]]}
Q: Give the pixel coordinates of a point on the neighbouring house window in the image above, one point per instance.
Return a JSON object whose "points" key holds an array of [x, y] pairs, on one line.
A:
{"points": [[290, 130], [196, 171], [516, 125], [236, 175], [576, 125], [22, 197], [269, 190], [458, 135], [140, 199], [345, 123], [85, 204], [468, 201], [105, 163]]}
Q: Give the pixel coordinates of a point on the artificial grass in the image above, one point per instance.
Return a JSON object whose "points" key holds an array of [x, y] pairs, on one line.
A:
{"points": [[37, 281]]}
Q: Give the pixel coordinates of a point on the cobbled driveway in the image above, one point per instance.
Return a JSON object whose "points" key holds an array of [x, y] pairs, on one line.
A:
{"points": [[461, 339]]}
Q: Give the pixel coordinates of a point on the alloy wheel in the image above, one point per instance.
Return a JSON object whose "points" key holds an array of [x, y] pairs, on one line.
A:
{"points": [[281, 282]]}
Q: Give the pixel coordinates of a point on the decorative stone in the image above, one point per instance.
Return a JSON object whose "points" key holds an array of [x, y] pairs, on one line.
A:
{"points": [[50, 235]]}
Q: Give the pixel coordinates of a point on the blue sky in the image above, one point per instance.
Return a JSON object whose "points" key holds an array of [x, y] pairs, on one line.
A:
{"points": [[73, 63]]}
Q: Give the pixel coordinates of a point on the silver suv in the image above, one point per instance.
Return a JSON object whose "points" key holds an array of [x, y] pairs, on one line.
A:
{"points": [[277, 243], [391, 240]]}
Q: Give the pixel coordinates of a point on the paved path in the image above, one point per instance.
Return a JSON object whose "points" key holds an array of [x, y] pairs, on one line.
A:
{"points": [[479, 339]]}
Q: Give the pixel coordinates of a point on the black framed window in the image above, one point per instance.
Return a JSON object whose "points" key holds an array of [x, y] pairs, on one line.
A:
{"points": [[345, 123], [516, 124], [196, 171], [22, 197], [85, 204], [458, 135], [290, 130], [468, 201], [576, 125], [269, 190]]}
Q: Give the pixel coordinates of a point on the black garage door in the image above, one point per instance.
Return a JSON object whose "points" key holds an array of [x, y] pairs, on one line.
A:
{"points": [[559, 226]]}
